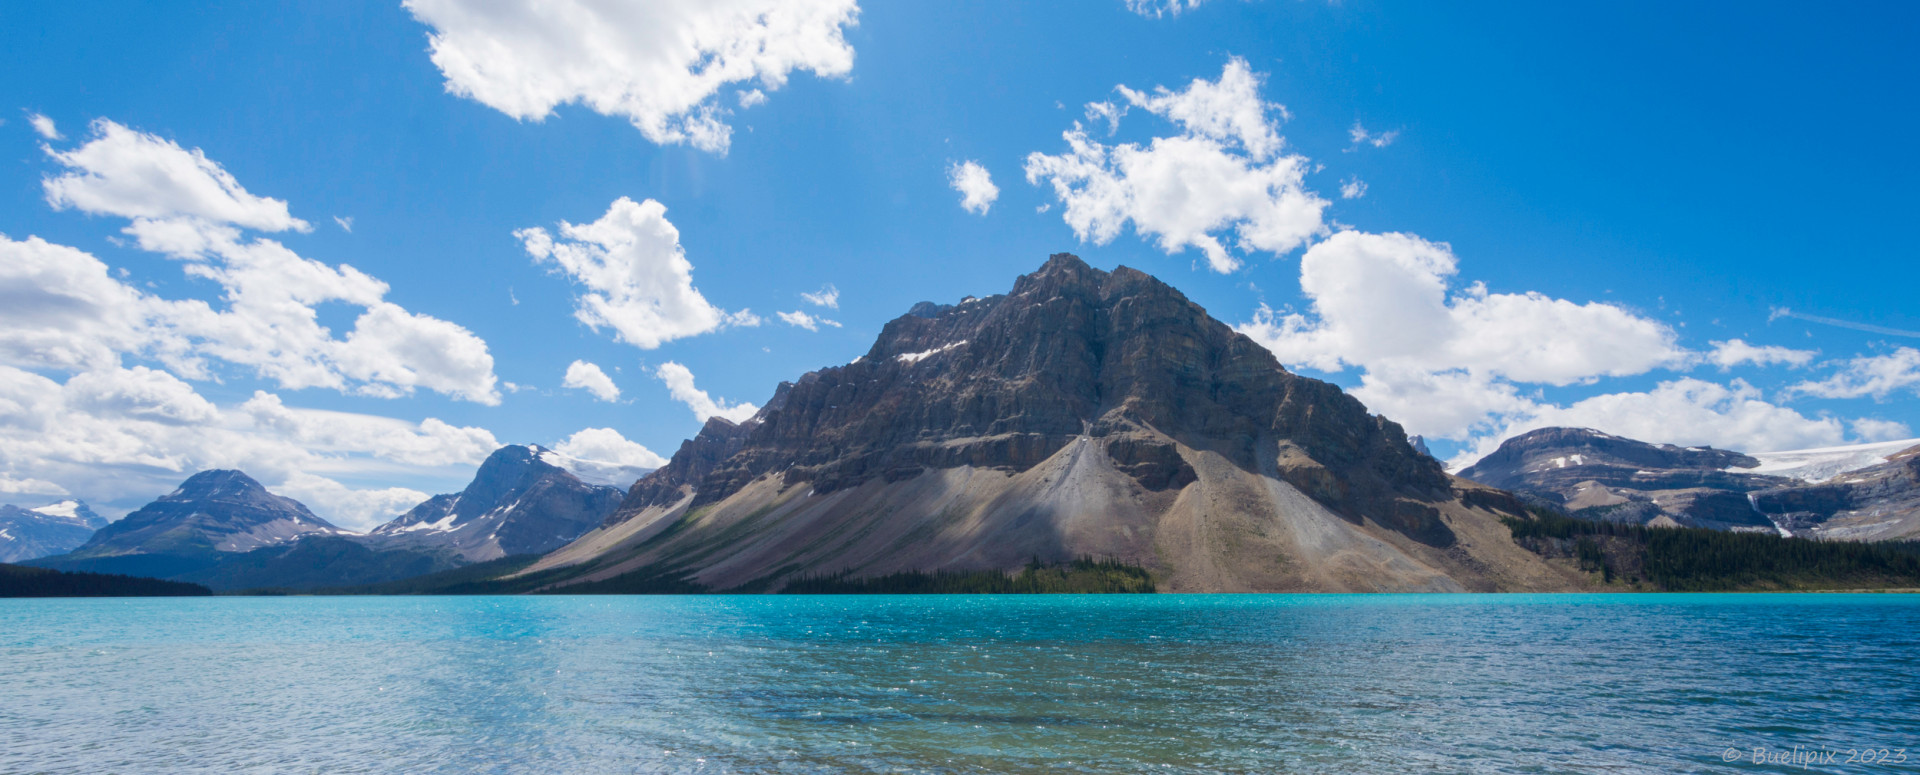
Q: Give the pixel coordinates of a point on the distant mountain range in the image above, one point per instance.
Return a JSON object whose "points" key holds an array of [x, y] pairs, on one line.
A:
{"points": [[1863, 492], [51, 529], [224, 530], [1084, 415]]}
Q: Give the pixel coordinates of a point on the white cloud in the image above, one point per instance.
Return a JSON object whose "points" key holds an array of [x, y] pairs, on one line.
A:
{"points": [[1687, 411], [359, 510], [44, 126], [270, 322], [10, 485], [1228, 111], [638, 280], [1735, 352], [1222, 173], [680, 384], [392, 351], [752, 97], [608, 446], [658, 64], [1353, 188], [138, 393], [1869, 429], [124, 436], [589, 377], [1157, 8], [140, 176], [430, 442], [74, 316], [345, 223], [1383, 302], [1361, 136], [1877, 375], [1456, 363], [976, 187], [60, 309], [806, 321], [828, 296], [1107, 113]]}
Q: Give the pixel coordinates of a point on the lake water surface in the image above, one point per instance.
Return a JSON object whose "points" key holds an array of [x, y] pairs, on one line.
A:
{"points": [[1097, 683]]}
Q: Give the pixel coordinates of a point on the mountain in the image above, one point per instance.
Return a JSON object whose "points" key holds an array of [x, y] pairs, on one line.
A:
{"points": [[1877, 502], [48, 530], [212, 514], [521, 501], [1868, 491], [1083, 414], [1596, 475], [222, 529]]}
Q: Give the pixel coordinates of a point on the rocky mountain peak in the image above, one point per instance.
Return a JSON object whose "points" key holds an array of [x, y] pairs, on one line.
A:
{"points": [[507, 468], [219, 510], [519, 501], [1070, 352], [218, 484]]}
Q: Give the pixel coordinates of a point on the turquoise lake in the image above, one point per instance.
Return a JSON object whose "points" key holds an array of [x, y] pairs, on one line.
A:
{"points": [[775, 684]]}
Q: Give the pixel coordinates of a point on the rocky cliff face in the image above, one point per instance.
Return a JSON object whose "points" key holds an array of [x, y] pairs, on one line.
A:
{"points": [[521, 501], [48, 530], [212, 511], [1084, 412]]}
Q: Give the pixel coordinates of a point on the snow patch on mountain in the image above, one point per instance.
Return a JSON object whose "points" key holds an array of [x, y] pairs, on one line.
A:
{"points": [[1824, 463]]}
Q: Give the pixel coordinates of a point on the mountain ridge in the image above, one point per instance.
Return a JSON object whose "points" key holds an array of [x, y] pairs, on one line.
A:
{"points": [[1083, 413]]}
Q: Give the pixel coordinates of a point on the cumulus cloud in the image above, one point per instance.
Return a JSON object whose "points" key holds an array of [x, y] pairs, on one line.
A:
{"points": [[345, 223], [976, 187], [1353, 188], [1361, 136], [138, 393], [1385, 302], [1870, 429], [124, 436], [1735, 352], [61, 309], [1465, 363], [660, 65], [680, 384], [803, 320], [140, 176], [637, 278], [587, 376], [608, 446], [1876, 375], [359, 510], [1222, 176], [72, 315], [44, 126], [828, 296], [1688, 412]]}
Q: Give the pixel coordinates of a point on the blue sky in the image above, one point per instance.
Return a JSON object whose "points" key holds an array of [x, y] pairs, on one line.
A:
{"points": [[1662, 180]]}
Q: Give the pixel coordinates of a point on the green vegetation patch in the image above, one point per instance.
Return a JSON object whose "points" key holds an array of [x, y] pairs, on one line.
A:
{"points": [[1686, 559], [22, 581]]}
